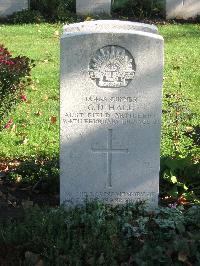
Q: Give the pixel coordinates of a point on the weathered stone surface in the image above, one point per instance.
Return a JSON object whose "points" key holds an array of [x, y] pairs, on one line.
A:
{"points": [[109, 25], [8, 7], [111, 90], [182, 9], [93, 7]]}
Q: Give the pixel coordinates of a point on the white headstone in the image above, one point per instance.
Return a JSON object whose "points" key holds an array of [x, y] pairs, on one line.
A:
{"points": [[182, 9], [8, 7], [93, 7], [111, 90]]}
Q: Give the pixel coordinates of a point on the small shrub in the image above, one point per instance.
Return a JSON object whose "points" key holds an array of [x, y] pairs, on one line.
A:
{"points": [[198, 18], [26, 16], [54, 10], [14, 77], [65, 15], [139, 9], [43, 173], [96, 234]]}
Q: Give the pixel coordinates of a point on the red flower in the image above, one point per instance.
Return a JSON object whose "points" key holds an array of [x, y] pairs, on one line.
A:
{"points": [[7, 62]]}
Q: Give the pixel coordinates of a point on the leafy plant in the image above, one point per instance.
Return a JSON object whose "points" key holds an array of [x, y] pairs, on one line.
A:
{"points": [[14, 77], [179, 181], [26, 16], [96, 234], [55, 9], [42, 174], [138, 8]]}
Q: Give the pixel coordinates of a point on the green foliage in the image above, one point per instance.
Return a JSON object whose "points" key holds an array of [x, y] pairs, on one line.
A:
{"points": [[96, 234], [14, 77], [26, 16], [139, 9], [42, 173], [53, 10], [179, 180]]}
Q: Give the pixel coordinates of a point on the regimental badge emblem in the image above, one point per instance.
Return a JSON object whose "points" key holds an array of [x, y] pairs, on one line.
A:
{"points": [[112, 67]]}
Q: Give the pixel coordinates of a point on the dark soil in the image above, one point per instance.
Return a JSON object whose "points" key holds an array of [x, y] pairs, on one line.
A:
{"points": [[15, 198]]}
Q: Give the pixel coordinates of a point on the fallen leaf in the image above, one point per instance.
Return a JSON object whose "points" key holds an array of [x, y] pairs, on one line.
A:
{"points": [[46, 97], [53, 119], [88, 18], [56, 33], [4, 167], [38, 113], [40, 263], [174, 179], [182, 200], [23, 98], [9, 124], [18, 178], [33, 87], [182, 256], [189, 129], [24, 141]]}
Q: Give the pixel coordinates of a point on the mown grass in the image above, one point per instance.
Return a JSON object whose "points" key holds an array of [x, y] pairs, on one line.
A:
{"points": [[32, 119], [182, 82], [34, 136]]}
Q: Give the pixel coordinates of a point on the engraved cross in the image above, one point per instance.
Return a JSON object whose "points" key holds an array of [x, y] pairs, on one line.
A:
{"points": [[109, 150]]}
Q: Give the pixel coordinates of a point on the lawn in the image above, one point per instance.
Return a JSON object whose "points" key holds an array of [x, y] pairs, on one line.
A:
{"points": [[32, 119], [34, 134], [181, 83]]}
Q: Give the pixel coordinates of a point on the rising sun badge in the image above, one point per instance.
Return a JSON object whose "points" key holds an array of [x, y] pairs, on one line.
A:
{"points": [[112, 67]]}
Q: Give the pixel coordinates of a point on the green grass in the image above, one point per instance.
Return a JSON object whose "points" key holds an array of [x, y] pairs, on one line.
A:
{"points": [[33, 135], [32, 119], [182, 81]]}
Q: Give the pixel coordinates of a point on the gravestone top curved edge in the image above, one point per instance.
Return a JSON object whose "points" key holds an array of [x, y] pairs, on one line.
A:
{"points": [[109, 26]]}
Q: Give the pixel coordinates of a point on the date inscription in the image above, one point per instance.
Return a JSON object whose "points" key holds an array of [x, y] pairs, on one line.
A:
{"points": [[112, 111]]}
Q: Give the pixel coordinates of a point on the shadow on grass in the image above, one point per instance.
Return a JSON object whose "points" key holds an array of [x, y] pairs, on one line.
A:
{"points": [[35, 182], [27, 183], [195, 135], [41, 173]]}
